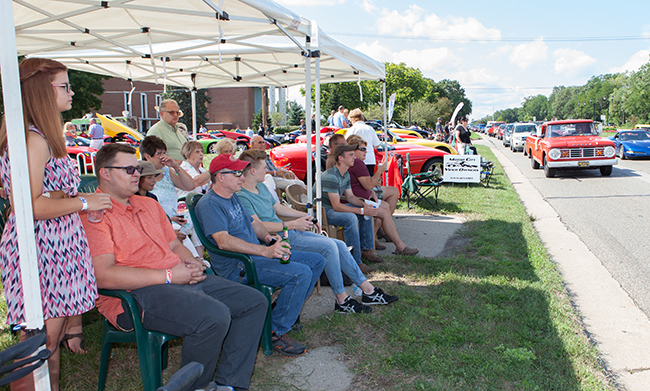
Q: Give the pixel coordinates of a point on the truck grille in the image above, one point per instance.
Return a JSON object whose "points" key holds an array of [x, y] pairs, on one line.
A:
{"points": [[577, 153]]}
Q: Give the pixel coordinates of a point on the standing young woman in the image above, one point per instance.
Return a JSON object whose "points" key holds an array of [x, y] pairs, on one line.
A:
{"points": [[66, 274]]}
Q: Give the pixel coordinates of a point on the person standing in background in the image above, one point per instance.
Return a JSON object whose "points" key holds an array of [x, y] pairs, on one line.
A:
{"points": [[96, 134]]}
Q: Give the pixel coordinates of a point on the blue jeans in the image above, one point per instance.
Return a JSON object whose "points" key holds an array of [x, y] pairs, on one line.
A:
{"points": [[337, 257], [357, 230], [214, 316], [296, 279]]}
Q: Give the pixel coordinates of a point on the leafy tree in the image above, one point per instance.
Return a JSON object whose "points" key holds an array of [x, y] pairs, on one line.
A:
{"points": [[184, 99], [257, 120], [422, 112], [444, 108], [534, 108], [637, 102], [452, 90], [295, 113]]}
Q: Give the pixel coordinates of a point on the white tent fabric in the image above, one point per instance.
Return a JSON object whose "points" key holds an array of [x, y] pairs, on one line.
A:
{"points": [[235, 43]]}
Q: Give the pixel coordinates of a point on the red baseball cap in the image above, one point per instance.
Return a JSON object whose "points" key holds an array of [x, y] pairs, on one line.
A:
{"points": [[227, 161]]}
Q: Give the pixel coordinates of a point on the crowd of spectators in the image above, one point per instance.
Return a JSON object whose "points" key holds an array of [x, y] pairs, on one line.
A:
{"points": [[145, 241]]}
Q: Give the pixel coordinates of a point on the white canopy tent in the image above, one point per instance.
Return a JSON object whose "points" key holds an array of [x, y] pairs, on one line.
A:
{"points": [[193, 43]]}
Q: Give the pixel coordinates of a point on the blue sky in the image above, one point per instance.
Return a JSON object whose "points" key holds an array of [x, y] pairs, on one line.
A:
{"points": [[532, 46]]}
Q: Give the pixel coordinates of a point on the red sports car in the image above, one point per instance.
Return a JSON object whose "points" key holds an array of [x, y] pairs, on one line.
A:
{"points": [[422, 158]]}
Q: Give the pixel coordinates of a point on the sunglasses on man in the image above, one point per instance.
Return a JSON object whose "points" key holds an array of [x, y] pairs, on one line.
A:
{"points": [[130, 170]]}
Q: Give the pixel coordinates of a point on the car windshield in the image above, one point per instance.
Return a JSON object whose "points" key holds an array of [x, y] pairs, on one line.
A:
{"points": [[580, 129], [524, 128], [630, 136], [78, 142]]}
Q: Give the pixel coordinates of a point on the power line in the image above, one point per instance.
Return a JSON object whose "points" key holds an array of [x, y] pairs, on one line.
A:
{"points": [[498, 40]]}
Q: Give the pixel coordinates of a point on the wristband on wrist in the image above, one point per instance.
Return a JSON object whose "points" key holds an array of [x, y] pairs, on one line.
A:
{"points": [[169, 276], [85, 203], [267, 238], [362, 211]]}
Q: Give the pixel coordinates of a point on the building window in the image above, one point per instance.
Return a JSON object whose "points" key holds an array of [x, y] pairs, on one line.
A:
{"points": [[158, 101], [127, 106], [144, 107]]}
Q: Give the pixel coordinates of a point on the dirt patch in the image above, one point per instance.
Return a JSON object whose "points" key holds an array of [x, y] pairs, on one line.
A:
{"points": [[455, 245]]}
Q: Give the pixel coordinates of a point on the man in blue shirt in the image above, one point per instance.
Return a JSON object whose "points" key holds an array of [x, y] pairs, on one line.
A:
{"points": [[226, 223], [96, 134]]}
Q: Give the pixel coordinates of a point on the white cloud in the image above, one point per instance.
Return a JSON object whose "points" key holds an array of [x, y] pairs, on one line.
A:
{"points": [[527, 54], [415, 21], [368, 6], [425, 59], [571, 62], [633, 63]]}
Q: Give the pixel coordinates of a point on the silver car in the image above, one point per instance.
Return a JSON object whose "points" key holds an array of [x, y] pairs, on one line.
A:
{"points": [[519, 134], [507, 133]]}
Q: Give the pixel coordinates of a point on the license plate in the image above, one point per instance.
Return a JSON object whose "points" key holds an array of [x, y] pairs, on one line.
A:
{"points": [[583, 164]]}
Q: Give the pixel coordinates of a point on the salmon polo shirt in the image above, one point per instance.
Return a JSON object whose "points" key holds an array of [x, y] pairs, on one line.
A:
{"points": [[138, 235]]}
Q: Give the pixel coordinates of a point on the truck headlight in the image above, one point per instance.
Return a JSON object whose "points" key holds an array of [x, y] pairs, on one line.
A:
{"points": [[609, 151], [554, 153]]}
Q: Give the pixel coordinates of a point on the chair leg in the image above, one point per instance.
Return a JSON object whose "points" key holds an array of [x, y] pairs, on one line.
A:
{"points": [[267, 344], [151, 365], [103, 363]]}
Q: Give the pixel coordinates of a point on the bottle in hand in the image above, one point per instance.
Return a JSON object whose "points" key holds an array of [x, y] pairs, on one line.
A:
{"points": [[286, 257]]}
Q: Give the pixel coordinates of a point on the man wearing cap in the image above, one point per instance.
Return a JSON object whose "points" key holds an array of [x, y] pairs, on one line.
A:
{"points": [[351, 215], [96, 134], [167, 128], [226, 223], [134, 248]]}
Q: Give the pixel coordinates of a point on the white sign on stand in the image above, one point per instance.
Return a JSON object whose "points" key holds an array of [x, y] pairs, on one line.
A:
{"points": [[462, 168]]}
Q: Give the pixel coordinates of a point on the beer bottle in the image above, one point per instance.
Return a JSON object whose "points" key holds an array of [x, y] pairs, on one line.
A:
{"points": [[286, 257]]}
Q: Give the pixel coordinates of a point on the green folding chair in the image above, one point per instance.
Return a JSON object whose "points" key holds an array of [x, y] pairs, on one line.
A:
{"points": [[88, 184], [251, 272], [152, 345], [419, 186]]}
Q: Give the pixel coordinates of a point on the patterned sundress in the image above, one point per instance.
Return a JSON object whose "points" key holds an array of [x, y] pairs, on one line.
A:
{"points": [[66, 273]]}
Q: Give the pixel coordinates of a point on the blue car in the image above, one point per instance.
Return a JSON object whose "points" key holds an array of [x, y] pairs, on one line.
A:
{"points": [[631, 143]]}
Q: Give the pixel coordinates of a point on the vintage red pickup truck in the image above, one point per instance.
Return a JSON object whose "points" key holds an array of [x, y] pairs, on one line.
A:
{"points": [[570, 144]]}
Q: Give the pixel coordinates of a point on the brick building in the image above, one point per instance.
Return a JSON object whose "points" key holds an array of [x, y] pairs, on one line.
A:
{"points": [[230, 107]]}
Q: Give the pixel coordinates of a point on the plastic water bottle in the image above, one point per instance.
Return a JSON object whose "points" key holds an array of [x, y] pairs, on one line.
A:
{"points": [[286, 257], [357, 291]]}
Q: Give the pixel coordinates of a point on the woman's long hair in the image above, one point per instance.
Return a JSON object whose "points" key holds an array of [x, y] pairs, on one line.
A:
{"points": [[39, 103]]}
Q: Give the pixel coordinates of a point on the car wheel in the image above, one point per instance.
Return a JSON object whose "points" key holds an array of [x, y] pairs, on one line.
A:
{"points": [[212, 148], [242, 146], [605, 170], [621, 152], [533, 163], [435, 164], [548, 171]]}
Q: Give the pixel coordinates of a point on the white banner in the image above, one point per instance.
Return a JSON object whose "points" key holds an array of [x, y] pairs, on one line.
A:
{"points": [[462, 168], [391, 106]]}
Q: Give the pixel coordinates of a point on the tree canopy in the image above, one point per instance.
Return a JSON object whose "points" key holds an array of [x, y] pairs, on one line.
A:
{"points": [[429, 99]]}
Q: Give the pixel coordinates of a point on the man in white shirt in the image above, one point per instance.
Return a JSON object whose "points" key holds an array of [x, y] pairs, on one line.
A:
{"points": [[367, 133]]}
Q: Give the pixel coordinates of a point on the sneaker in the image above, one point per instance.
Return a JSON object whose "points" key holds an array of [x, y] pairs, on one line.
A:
{"points": [[351, 306], [377, 297], [287, 347], [296, 327]]}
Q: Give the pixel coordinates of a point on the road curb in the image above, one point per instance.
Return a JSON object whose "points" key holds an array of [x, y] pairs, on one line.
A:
{"points": [[619, 328]]}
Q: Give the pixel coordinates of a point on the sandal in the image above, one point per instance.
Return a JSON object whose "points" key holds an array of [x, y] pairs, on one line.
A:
{"points": [[66, 344]]}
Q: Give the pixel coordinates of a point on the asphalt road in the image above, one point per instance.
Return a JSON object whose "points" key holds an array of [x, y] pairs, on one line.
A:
{"points": [[609, 214]]}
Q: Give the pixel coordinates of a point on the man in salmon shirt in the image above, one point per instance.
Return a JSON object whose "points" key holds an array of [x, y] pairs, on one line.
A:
{"points": [[135, 248]]}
